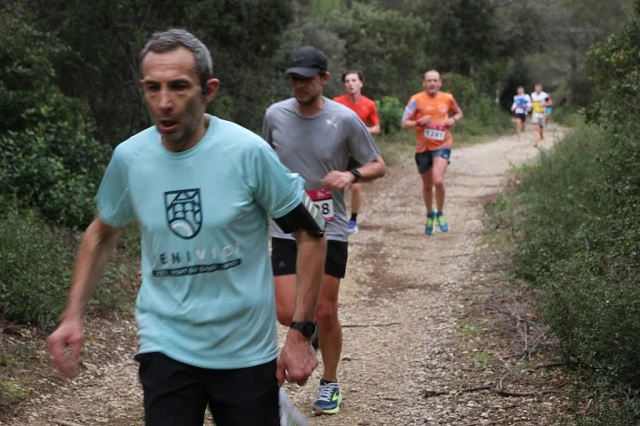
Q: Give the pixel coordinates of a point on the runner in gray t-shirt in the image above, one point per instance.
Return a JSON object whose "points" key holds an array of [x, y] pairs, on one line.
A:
{"points": [[315, 137], [314, 146]]}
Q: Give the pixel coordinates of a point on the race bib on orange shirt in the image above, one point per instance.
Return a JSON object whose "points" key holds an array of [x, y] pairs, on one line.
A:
{"points": [[433, 132], [323, 199]]}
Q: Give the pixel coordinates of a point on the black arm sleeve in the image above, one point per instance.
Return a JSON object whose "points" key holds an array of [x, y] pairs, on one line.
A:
{"points": [[305, 216]]}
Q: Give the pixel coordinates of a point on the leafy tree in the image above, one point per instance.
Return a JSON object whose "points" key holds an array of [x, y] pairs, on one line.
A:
{"points": [[615, 72], [393, 60], [571, 26], [243, 36], [463, 34], [48, 158]]}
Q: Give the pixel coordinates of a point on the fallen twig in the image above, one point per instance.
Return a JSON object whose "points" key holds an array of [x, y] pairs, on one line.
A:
{"points": [[478, 388], [541, 366], [370, 325], [532, 393], [65, 423], [497, 389], [431, 394]]}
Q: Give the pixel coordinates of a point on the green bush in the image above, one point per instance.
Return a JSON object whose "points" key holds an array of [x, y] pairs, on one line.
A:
{"points": [[461, 87], [482, 116], [51, 162], [36, 262], [35, 267], [576, 223], [570, 117], [48, 157], [390, 111], [615, 75]]}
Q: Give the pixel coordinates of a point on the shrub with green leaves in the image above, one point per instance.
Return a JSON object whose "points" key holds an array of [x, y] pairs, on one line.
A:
{"points": [[615, 74], [576, 218], [481, 114], [36, 262], [576, 223], [48, 157], [390, 112], [35, 267]]}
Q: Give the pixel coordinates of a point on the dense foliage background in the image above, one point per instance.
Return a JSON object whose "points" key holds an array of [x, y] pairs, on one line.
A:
{"points": [[576, 220], [69, 93]]}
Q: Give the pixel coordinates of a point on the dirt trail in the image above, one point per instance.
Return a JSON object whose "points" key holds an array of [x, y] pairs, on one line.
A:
{"points": [[402, 307]]}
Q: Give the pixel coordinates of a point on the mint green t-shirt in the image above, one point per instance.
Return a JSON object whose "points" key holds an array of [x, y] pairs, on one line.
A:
{"points": [[207, 295]]}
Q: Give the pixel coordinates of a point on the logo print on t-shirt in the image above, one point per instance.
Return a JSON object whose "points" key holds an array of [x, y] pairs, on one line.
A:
{"points": [[184, 212]]}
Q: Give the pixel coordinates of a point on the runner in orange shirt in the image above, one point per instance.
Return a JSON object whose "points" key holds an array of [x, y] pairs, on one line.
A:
{"points": [[432, 113], [366, 110]]}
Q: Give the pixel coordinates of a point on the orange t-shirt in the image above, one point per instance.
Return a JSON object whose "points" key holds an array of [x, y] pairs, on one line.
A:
{"points": [[366, 108], [435, 135]]}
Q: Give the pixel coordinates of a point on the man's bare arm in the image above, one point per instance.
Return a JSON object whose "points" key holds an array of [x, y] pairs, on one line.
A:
{"points": [[297, 358], [408, 124], [312, 251], [65, 343], [374, 130], [373, 170], [98, 242], [368, 172]]}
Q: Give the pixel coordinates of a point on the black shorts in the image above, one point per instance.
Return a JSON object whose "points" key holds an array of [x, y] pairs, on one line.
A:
{"points": [[284, 253], [424, 160], [521, 117], [353, 164], [178, 394]]}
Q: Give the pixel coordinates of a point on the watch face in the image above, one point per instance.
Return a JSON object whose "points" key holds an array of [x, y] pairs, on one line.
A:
{"points": [[308, 329]]}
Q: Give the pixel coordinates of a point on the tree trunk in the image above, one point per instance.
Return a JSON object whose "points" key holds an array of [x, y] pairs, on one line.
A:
{"points": [[573, 73]]}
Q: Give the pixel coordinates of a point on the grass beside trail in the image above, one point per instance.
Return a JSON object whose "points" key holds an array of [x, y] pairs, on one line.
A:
{"points": [[574, 226]]}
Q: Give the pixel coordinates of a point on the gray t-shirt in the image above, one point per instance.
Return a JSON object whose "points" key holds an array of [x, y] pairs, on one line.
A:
{"points": [[315, 146]]}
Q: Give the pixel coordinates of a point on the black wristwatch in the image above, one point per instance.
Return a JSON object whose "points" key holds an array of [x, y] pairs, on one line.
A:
{"points": [[356, 173], [307, 328]]}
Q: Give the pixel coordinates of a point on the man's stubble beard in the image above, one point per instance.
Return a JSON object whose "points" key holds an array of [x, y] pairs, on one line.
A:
{"points": [[180, 138], [311, 100]]}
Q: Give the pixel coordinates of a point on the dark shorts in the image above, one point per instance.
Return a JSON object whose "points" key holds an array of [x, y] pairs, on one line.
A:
{"points": [[284, 253], [424, 160], [353, 164], [178, 394], [522, 117]]}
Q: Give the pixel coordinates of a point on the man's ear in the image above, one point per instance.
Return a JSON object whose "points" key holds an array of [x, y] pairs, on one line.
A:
{"points": [[325, 78], [210, 89]]}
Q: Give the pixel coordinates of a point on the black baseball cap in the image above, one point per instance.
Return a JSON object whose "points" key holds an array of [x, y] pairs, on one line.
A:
{"points": [[306, 61]]}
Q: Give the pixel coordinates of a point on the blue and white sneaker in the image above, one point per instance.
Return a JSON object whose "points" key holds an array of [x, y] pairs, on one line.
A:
{"points": [[329, 399], [428, 227], [442, 222], [353, 227]]}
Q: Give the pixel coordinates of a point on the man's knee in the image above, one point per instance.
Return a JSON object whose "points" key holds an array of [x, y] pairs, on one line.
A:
{"points": [[438, 182], [427, 181], [327, 314], [356, 189]]}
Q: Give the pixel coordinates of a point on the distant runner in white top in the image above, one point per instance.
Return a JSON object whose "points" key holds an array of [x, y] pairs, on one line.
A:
{"points": [[539, 99], [520, 107]]}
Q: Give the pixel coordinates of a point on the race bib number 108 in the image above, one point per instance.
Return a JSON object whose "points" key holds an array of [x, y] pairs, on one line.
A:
{"points": [[323, 199]]}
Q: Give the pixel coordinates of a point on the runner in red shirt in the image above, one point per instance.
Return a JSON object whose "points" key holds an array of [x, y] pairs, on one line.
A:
{"points": [[366, 110]]}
